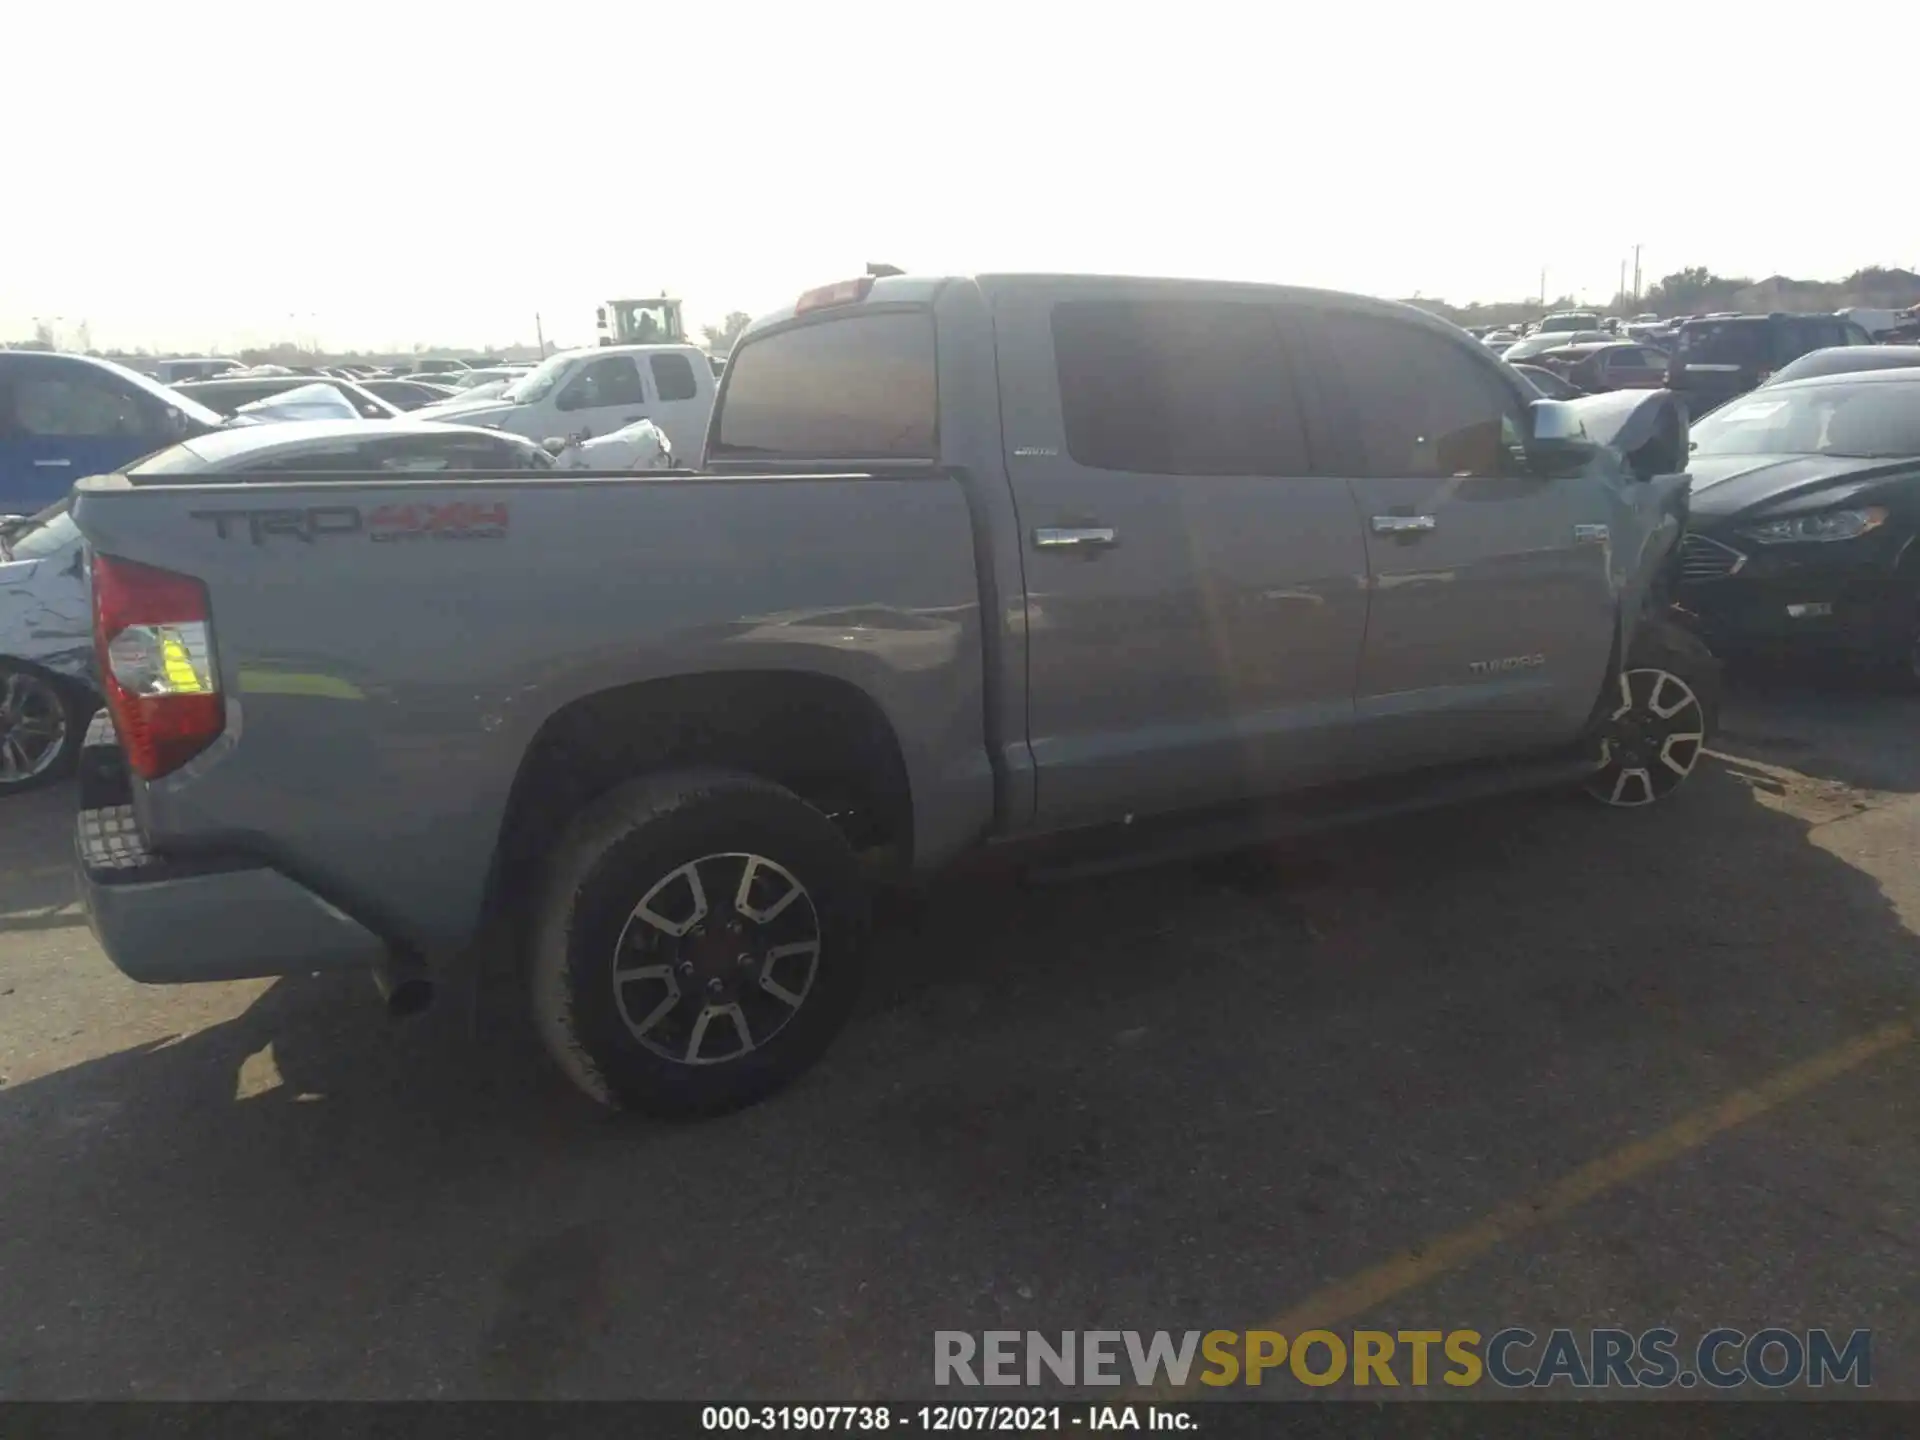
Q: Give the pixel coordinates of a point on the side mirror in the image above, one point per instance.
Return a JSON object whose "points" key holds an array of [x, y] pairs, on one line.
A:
{"points": [[1557, 439], [554, 444]]}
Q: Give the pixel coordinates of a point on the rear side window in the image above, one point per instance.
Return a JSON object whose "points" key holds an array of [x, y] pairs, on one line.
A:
{"points": [[673, 378], [1423, 405], [853, 388], [1737, 342], [1175, 387]]}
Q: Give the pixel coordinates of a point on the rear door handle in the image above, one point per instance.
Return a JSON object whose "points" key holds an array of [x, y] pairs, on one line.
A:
{"points": [[1404, 524], [53, 464], [1087, 537]]}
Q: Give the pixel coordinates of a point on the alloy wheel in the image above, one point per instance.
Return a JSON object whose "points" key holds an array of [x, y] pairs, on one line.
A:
{"points": [[33, 727], [1651, 742], [716, 959]]}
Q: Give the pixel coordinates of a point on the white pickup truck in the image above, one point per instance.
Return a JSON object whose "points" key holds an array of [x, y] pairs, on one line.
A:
{"points": [[581, 394]]}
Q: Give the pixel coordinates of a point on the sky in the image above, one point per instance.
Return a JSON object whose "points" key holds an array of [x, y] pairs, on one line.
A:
{"points": [[210, 176]]}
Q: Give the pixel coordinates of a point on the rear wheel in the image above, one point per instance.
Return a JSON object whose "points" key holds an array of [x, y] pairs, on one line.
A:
{"points": [[42, 722], [699, 943], [1656, 722]]}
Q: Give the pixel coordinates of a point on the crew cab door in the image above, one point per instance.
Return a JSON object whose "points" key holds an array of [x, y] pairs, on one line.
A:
{"points": [[1491, 613], [602, 395], [1195, 582], [681, 400]]}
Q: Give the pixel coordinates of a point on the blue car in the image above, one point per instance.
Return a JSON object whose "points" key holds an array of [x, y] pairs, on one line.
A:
{"points": [[63, 417]]}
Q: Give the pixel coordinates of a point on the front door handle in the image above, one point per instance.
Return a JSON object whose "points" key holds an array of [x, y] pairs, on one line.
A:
{"points": [[1404, 524], [1054, 538], [53, 464]]}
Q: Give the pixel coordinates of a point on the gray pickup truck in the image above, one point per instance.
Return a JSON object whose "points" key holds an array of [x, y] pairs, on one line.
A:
{"points": [[1068, 571]]}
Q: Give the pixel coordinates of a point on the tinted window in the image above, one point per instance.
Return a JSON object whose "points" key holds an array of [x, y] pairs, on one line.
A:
{"points": [[1176, 387], [1423, 405], [1732, 342], [858, 387], [74, 400], [1628, 358], [673, 377], [610, 380]]}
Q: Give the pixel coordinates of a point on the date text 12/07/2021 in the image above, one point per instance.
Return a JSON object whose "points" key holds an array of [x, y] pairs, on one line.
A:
{"points": [[939, 1419]]}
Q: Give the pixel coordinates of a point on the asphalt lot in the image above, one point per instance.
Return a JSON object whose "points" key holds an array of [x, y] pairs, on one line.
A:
{"points": [[1289, 1089]]}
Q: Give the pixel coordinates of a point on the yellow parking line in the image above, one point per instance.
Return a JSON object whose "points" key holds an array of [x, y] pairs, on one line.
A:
{"points": [[1350, 1298], [1343, 1301]]}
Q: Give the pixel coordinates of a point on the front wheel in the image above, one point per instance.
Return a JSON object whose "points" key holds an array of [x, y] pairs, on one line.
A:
{"points": [[1656, 722], [699, 943]]}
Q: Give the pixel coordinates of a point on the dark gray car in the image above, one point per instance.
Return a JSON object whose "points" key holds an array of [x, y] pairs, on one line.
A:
{"points": [[1068, 571]]}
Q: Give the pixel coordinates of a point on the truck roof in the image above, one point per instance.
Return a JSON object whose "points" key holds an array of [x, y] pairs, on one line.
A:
{"points": [[924, 289]]}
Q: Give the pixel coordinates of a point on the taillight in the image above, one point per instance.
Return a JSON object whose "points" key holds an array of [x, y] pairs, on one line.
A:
{"points": [[155, 641]]}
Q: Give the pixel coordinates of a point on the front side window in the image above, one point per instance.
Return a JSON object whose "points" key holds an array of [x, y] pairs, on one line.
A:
{"points": [[78, 402], [610, 380], [1177, 387], [854, 387], [1423, 405], [673, 377]]}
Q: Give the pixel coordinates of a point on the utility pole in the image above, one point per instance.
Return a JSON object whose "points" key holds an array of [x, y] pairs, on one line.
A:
{"points": [[1543, 287], [1636, 277], [1621, 293], [539, 335]]}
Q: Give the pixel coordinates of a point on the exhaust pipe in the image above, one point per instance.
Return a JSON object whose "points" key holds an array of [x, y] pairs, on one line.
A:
{"points": [[404, 985]]}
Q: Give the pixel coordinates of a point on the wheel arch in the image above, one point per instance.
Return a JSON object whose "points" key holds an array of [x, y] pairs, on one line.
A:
{"points": [[821, 736]]}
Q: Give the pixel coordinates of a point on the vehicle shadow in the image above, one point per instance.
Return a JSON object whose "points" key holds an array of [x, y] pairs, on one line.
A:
{"points": [[1175, 1098]]}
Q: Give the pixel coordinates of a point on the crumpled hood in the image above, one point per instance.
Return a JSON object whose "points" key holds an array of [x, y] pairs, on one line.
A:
{"points": [[1735, 484]]}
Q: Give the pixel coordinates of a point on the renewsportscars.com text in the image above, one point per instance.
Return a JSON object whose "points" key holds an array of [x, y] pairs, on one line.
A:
{"points": [[1512, 1358]]}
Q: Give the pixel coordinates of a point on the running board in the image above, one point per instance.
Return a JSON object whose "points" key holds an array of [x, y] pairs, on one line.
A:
{"points": [[1116, 849]]}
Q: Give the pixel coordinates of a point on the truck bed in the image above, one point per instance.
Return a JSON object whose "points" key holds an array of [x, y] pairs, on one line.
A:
{"points": [[388, 648]]}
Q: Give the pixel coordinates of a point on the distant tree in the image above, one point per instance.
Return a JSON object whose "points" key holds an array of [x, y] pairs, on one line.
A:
{"points": [[83, 338], [720, 338], [43, 337], [1690, 291]]}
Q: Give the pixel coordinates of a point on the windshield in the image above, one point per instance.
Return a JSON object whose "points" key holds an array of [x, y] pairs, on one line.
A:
{"points": [[1554, 323], [1871, 421], [539, 382], [48, 533]]}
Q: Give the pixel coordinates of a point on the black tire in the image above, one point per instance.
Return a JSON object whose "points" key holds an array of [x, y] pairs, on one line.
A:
{"points": [[617, 855], [1645, 756], [35, 766]]}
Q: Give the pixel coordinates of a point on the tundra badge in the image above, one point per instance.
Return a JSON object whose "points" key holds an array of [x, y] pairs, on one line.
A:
{"points": [[1512, 662]]}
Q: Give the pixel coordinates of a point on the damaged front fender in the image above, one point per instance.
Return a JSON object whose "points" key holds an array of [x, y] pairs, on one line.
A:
{"points": [[1641, 440]]}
